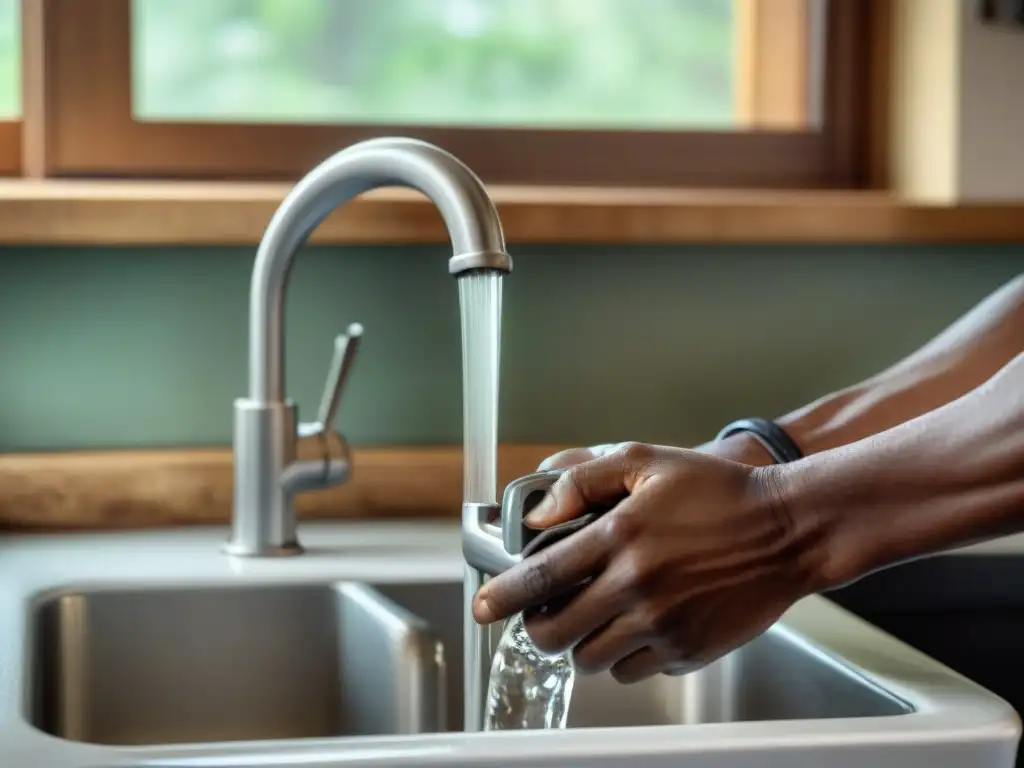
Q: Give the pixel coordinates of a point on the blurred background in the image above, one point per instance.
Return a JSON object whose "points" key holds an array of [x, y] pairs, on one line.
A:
{"points": [[607, 341]]}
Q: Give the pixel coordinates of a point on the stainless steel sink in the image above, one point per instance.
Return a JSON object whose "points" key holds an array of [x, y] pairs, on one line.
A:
{"points": [[175, 666], [779, 676], [776, 677], [154, 649], [170, 666]]}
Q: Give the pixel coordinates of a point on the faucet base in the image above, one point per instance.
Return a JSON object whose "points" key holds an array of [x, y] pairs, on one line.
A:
{"points": [[263, 520], [238, 549]]}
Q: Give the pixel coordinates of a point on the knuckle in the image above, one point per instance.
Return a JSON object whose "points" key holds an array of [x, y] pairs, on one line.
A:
{"points": [[621, 525], [538, 578], [632, 568], [651, 618], [673, 625], [639, 571], [637, 453], [571, 483], [603, 449], [567, 458]]}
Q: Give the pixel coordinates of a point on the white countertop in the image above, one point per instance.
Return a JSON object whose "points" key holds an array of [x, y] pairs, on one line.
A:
{"points": [[952, 716]]}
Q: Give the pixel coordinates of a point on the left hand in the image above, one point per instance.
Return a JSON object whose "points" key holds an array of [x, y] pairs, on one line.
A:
{"points": [[698, 556], [740, 447]]}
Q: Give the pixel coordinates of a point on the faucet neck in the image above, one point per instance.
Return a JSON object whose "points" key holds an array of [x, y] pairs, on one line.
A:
{"points": [[469, 215]]}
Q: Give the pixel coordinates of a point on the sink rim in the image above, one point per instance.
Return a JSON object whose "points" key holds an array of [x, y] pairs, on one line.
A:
{"points": [[948, 708]]}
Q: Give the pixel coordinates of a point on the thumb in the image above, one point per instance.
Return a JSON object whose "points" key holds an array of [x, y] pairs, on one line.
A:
{"points": [[602, 481]]}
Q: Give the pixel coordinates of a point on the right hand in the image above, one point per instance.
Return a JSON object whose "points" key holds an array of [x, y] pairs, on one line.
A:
{"points": [[741, 448], [698, 555]]}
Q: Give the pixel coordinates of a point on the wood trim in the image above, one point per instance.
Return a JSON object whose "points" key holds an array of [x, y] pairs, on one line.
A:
{"points": [[851, 68], [35, 95], [140, 213], [86, 129], [879, 109], [225, 151], [10, 148], [149, 489], [773, 63]]}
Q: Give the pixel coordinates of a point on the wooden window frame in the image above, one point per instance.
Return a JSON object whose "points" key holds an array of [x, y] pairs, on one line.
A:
{"points": [[774, 64], [10, 148], [78, 120]]}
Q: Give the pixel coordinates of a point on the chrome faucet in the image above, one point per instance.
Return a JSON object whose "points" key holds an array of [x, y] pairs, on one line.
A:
{"points": [[267, 475]]}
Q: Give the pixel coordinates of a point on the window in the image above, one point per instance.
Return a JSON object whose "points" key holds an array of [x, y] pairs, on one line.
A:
{"points": [[10, 86], [10, 60], [707, 93], [490, 63]]}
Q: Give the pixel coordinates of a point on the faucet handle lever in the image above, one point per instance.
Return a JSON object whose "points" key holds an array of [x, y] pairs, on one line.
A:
{"points": [[345, 347], [304, 475], [521, 496]]}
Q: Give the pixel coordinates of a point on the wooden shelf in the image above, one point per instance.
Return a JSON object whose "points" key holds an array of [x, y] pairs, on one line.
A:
{"points": [[70, 212], [97, 490]]}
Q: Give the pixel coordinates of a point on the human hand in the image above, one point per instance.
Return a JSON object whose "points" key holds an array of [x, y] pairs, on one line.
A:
{"points": [[698, 556], [573, 456], [740, 447]]}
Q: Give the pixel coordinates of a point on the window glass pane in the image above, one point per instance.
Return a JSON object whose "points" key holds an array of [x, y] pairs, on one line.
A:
{"points": [[565, 63], [10, 59]]}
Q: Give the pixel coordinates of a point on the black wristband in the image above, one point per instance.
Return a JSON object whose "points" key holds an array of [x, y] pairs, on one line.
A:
{"points": [[769, 434]]}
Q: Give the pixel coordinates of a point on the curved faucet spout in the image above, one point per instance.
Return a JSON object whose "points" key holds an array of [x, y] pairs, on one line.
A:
{"points": [[267, 474], [469, 215]]}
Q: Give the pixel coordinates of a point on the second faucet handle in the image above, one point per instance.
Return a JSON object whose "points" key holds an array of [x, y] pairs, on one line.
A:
{"points": [[345, 347], [328, 470]]}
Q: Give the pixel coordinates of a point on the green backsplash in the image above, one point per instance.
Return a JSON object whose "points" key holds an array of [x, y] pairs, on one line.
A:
{"points": [[117, 347]]}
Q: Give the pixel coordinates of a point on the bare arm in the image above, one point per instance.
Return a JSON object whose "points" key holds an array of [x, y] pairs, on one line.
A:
{"points": [[945, 479], [959, 359], [698, 554]]}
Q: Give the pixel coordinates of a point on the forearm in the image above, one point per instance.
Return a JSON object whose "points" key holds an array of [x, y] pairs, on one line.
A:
{"points": [[944, 479], [959, 359]]}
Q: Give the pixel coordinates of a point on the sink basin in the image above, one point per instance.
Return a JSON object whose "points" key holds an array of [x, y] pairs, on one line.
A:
{"points": [[155, 650], [166, 666], [214, 664], [779, 676]]}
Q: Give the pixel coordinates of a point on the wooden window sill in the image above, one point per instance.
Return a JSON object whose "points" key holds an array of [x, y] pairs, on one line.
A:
{"points": [[128, 489], [73, 212]]}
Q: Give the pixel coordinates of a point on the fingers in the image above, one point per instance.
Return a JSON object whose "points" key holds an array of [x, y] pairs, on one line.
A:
{"points": [[603, 480], [542, 577], [639, 665], [566, 459], [573, 456], [589, 610], [602, 650], [678, 668]]}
